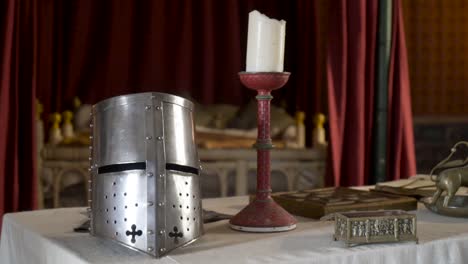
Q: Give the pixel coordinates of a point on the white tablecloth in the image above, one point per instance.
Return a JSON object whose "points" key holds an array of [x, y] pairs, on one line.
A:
{"points": [[46, 236]]}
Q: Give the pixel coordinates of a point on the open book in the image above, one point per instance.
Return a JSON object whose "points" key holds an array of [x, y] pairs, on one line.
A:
{"points": [[416, 186]]}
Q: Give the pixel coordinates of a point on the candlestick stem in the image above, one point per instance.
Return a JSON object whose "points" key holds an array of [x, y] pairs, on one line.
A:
{"points": [[263, 214], [263, 144]]}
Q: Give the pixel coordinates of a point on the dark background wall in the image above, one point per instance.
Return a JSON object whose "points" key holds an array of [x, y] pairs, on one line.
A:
{"points": [[437, 41]]}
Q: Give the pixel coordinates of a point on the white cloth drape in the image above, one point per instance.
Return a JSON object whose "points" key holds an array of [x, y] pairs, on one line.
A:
{"points": [[46, 237]]}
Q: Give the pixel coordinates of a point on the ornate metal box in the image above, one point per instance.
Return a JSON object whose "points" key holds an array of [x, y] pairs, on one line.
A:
{"points": [[145, 172], [375, 226]]}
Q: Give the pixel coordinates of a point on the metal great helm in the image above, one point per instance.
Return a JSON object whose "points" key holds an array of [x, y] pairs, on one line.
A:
{"points": [[145, 190]]}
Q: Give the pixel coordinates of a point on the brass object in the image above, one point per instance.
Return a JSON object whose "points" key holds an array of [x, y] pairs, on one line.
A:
{"points": [[55, 134], [356, 228], [67, 117], [300, 129], [458, 206], [454, 175], [67, 127], [55, 119], [39, 109], [76, 102], [318, 132]]}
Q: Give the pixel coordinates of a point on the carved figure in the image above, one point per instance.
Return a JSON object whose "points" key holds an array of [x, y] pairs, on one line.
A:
{"points": [[318, 133], [55, 134], [450, 181], [452, 178], [67, 126]]}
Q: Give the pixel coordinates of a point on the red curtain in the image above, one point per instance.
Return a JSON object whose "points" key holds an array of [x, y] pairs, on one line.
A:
{"points": [[401, 154], [351, 84], [98, 49], [17, 101], [350, 75]]}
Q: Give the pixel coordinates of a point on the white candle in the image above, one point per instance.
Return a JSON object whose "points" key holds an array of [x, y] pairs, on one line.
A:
{"points": [[265, 43]]}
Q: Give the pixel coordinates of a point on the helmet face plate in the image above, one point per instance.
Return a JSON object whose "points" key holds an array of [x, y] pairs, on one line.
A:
{"points": [[118, 207], [145, 172], [184, 220]]}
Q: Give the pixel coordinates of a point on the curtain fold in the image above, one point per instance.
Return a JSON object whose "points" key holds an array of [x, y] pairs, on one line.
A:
{"points": [[400, 153], [18, 179], [97, 49], [351, 90], [350, 76]]}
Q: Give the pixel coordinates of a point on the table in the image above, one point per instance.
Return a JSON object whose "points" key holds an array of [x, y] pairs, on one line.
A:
{"points": [[46, 236]]}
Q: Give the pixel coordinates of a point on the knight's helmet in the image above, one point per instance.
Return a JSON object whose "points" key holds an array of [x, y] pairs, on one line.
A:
{"points": [[145, 186]]}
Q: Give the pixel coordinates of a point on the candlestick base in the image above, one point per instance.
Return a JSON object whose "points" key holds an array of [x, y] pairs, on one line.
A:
{"points": [[263, 216]]}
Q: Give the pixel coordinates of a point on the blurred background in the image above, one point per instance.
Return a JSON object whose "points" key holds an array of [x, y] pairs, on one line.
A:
{"points": [[62, 56]]}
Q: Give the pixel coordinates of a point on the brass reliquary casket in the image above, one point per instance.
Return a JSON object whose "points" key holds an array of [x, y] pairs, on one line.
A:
{"points": [[375, 227]]}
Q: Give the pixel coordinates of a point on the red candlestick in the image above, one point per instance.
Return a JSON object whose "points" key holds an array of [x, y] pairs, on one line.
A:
{"points": [[263, 214]]}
